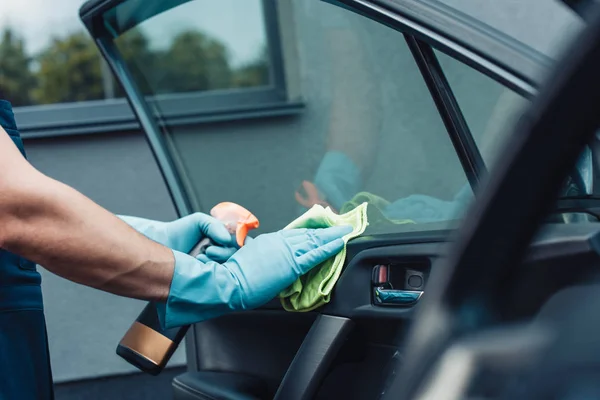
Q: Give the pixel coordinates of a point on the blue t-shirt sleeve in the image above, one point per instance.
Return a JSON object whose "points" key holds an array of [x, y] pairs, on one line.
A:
{"points": [[423, 209], [8, 123], [7, 117], [338, 178]]}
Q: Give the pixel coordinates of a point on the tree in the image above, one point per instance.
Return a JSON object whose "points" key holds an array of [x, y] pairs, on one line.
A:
{"points": [[195, 62], [16, 79], [255, 73], [140, 60], [69, 71]]}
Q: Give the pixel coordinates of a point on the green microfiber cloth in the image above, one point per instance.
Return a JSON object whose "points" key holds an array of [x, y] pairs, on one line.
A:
{"points": [[374, 211], [313, 289]]}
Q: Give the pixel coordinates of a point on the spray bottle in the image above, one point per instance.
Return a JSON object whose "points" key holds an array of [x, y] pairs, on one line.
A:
{"points": [[146, 345]]}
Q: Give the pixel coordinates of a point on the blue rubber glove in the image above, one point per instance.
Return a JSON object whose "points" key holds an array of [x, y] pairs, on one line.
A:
{"points": [[253, 276], [184, 233]]}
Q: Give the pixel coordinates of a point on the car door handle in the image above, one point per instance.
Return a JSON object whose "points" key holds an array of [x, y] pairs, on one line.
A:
{"points": [[385, 295], [393, 297]]}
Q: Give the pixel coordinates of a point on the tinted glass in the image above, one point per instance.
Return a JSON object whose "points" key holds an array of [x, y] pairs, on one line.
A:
{"points": [[369, 130], [199, 46], [491, 111], [543, 25]]}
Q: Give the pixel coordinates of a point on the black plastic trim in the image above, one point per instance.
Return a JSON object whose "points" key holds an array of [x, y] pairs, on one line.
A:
{"points": [[449, 109], [92, 8], [589, 206], [352, 297], [581, 7], [316, 354]]}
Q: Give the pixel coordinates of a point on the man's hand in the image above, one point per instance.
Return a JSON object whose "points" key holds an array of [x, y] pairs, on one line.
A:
{"points": [[255, 274], [184, 233]]}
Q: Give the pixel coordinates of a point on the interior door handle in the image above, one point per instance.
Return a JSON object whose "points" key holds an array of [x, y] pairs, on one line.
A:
{"points": [[392, 297], [385, 295]]}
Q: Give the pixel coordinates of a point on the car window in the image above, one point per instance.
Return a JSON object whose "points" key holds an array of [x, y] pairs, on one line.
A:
{"points": [[491, 111], [543, 25], [368, 130], [197, 46]]}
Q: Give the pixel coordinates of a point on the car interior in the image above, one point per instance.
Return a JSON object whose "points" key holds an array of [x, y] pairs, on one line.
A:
{"points": [[479, 162]]}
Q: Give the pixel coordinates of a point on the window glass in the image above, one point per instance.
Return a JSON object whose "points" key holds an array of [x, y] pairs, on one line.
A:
{"points": [[370, 132], [544, 25], [491, 111], [198, 46], [47, 57]]}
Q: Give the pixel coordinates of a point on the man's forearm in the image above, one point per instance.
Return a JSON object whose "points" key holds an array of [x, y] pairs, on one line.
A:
{"points": [[71, 236]]}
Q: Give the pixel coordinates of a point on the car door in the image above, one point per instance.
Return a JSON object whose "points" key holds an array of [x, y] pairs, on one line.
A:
{"points": [[278, 105]]}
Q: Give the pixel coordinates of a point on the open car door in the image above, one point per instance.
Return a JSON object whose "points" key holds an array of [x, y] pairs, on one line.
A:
{"points": [[280, 105]]}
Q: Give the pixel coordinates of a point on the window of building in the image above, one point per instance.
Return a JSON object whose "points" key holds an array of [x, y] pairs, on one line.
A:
{"points": [[223, 53], [199, 46]]}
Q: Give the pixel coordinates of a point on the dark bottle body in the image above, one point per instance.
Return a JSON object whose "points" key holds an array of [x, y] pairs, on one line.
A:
{"points": [[146, 345]]}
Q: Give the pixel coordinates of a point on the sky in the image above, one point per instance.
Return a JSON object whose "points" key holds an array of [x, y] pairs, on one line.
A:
{"points": [[238, 23]]}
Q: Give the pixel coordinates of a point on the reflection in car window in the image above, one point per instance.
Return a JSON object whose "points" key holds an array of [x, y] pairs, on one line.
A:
{"points": [[195, 47], [370, 131]]}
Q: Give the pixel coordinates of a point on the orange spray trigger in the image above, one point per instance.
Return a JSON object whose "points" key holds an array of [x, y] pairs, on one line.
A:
{"points": [[237, 220]]}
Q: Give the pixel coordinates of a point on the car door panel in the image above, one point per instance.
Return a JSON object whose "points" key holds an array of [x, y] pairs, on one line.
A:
{"points": [[367, 336], [270, 343], [236, 343], [354, 290]]}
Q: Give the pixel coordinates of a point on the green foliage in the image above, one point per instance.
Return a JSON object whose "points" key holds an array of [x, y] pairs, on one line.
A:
{"points": [[16, 79], [70, 70], [253, 74], [193, 62], [196, 62]]}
